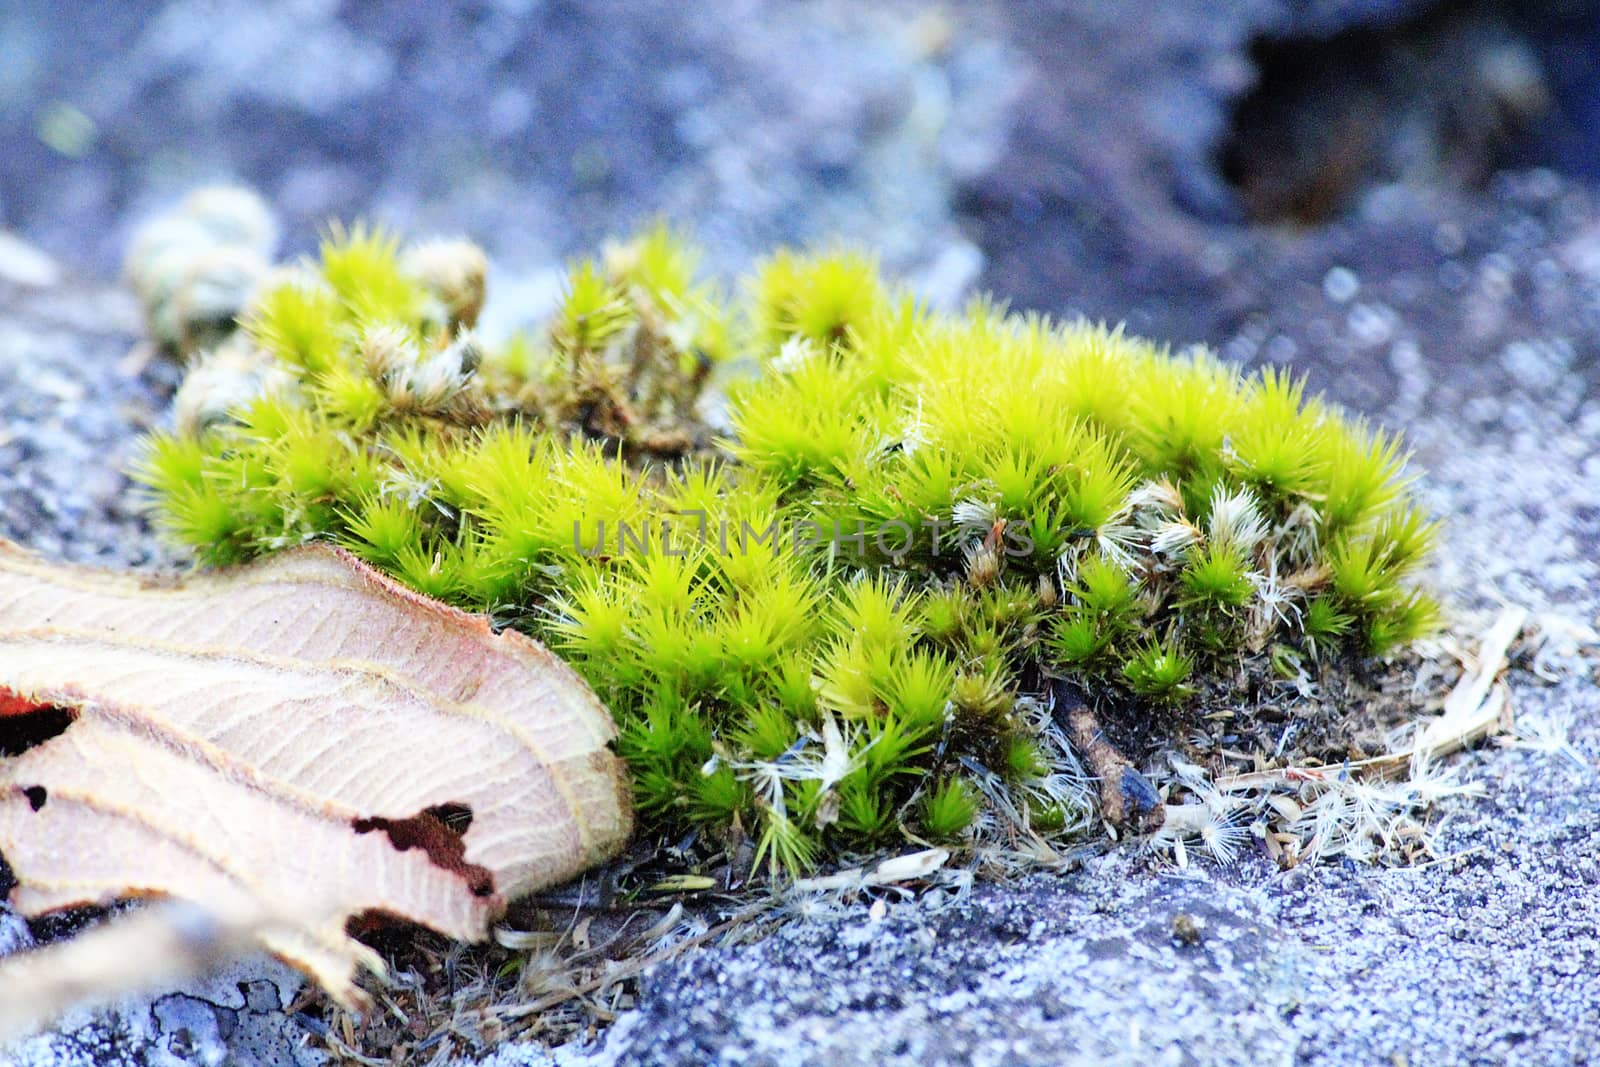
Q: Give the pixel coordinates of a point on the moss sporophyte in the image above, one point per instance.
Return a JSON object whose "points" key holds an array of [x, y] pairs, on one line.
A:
{"points": [[831, 557]]}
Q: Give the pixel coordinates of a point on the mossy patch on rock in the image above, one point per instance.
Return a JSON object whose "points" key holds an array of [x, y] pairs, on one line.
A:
{"points": [[822, 550]]}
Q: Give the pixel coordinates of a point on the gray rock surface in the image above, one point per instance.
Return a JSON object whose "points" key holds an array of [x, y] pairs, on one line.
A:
{"points": [[1078, 143], [539, 127], [71, 405], [236, 1016]]}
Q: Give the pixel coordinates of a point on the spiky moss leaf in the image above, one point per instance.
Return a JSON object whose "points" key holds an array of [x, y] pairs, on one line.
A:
{"points": [[1414, 615], [784, 848], [918, 688], [1159, 672], [948, 809], [210, 520], [866, 809], [717, 798], [1079, 640], [982, 695], [1103, 608], [667, 745], [1022, 759], [1048, 818], [349, 397], [591, 621], [574, 509], [1095, 378], [298, 455], [1079, 503], [1363, 573], [379, 529], [301, 322], [1106, 593], [877, 611], [592, 311], [1182, 411], [168, 463], [819, 299], [1094, 483], [767, 732], [801, 425], [1407, 536], [431, 569], [1324, 624], [424, 466], [660, 267], [362, 266], [1217, 576], [1362, 470], [660, 261], [1273, 446], [944, 614]]}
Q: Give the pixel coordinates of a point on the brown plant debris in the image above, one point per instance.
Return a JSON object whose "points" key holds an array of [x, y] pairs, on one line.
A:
{"points": [[298, 737], [1127, 799]]}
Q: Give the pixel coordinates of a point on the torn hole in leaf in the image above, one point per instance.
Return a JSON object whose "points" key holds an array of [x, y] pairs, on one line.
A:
{"points": [[25, 724], [457, 818], [37, 795], [435, 831]]}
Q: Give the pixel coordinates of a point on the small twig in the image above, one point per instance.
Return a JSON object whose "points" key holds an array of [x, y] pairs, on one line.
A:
{"points": [[1127, 799]]}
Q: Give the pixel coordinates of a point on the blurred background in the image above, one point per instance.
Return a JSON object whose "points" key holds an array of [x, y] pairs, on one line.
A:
{"points": [[1348, 184]]}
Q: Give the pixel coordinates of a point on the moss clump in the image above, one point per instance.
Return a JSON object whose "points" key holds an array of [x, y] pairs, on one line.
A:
{"points": [[832, 625]]}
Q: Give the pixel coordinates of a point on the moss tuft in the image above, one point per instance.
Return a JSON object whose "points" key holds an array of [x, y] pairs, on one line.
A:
{"points": [[822, 630]]}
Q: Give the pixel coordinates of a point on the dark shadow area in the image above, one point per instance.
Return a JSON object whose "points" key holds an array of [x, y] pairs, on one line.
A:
{"points": [[20, 732], [1442, 100]]}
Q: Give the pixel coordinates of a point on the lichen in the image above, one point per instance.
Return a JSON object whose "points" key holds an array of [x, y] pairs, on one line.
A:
{"points": [[822, 550]]}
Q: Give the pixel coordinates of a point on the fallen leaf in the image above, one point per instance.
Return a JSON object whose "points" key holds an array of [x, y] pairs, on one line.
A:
{"points": [[301, 736]]}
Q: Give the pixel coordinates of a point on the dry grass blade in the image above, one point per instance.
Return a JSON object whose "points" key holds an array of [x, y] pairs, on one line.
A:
{"points": [[1475, 708], [911, 867], [633, 967]]}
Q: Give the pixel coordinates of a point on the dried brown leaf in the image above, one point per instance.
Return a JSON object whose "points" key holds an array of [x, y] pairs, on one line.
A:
{"points": [[300, 736]]}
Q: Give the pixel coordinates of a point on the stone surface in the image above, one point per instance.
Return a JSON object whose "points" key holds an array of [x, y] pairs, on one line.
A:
{"points": [[236, 1016], [540, 127], [1071, 151]]}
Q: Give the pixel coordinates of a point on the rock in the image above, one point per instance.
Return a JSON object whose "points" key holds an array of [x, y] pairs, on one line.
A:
{"points": [[236, 1016], [1080, 145], [23, 264], [1112, 198]]}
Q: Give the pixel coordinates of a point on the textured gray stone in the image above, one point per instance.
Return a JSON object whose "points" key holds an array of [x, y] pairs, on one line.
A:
{"points": [[1079, 140], [234, 1017]]}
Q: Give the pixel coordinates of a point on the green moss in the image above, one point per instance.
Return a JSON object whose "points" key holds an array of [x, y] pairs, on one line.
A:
{"points": [[821, 630], [948, 809]]}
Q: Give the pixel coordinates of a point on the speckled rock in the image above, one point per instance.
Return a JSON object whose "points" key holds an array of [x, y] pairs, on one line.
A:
{"points": [[538, 127], [1079, 142], [234, 1017]]}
